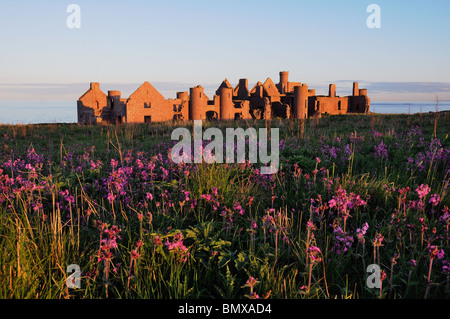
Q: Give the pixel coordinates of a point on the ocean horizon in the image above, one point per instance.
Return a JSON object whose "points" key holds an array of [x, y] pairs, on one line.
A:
{"points": [[65, 111]]}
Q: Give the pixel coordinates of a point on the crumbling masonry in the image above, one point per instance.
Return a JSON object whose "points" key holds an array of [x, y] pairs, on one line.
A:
{"points": [[264, 101]]}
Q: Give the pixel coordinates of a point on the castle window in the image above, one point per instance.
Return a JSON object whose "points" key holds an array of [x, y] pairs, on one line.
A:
{"points": [[339, 105], [147, 105], [147, 119], [211, 115]]}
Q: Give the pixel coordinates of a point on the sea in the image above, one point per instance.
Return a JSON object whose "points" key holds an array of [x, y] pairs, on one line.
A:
{"points": [[65, 111]]}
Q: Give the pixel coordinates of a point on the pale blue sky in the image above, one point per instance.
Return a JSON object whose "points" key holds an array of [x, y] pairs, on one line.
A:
{"points": [[178, 44]]}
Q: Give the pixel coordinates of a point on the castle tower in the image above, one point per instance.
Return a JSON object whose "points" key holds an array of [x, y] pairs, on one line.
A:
{"points": [[332, 91], [196, 102], [116, 109], [365, 107], [301, 101], [226, 103], [363, 92], [183, 96], [114, 98], [355, 89], [283, 85]]}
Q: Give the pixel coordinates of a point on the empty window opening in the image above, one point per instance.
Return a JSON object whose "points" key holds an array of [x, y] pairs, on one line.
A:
{"points": [[211, 115]]}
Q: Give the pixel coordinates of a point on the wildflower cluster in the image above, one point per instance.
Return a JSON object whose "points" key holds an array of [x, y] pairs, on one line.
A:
{"points": [[177, 248], [108, 240]]}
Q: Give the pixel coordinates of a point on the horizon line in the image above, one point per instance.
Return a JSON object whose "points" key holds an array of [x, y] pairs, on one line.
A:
{"points": [[424, 91]]}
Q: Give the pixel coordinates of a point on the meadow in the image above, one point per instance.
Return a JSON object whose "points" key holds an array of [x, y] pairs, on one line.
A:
{"points": [[351, 191]]}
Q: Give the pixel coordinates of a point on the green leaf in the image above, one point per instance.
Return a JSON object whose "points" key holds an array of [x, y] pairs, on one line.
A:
{"points": [[241, 261], [225, 258]]}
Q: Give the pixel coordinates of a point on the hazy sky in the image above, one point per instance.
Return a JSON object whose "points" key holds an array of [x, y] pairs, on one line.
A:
{"points": [[178, 44]]}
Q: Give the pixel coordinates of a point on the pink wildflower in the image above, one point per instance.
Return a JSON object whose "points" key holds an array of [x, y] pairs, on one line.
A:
{"points": [[423, 190], [332, 203], [157, 241], [135, 255], [114, 163], [251, 282], [435, 252], [314, 254]]}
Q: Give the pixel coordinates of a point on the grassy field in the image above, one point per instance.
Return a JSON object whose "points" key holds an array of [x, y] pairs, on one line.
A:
{"points": [[352, 191]]}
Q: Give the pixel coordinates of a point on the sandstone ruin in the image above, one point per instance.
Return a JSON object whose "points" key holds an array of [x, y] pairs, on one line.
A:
{"points": [[264, 101]]}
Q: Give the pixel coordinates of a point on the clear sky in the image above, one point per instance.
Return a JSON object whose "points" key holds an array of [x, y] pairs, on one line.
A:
{"points": [[177, 44]]}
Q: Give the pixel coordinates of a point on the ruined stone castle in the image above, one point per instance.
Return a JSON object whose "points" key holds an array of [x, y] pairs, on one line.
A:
{"points": [[264, 101]]}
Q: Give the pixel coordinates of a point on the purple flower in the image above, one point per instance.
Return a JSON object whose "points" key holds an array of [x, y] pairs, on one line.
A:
{"points": [[361, 232], [333, 152], [381, 151], [343, 241], [435, 199], [446, 267], [446, 216]]}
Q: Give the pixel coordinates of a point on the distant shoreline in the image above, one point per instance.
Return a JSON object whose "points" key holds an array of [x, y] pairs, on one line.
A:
{"points": [[65, 111], [349, 114]]}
